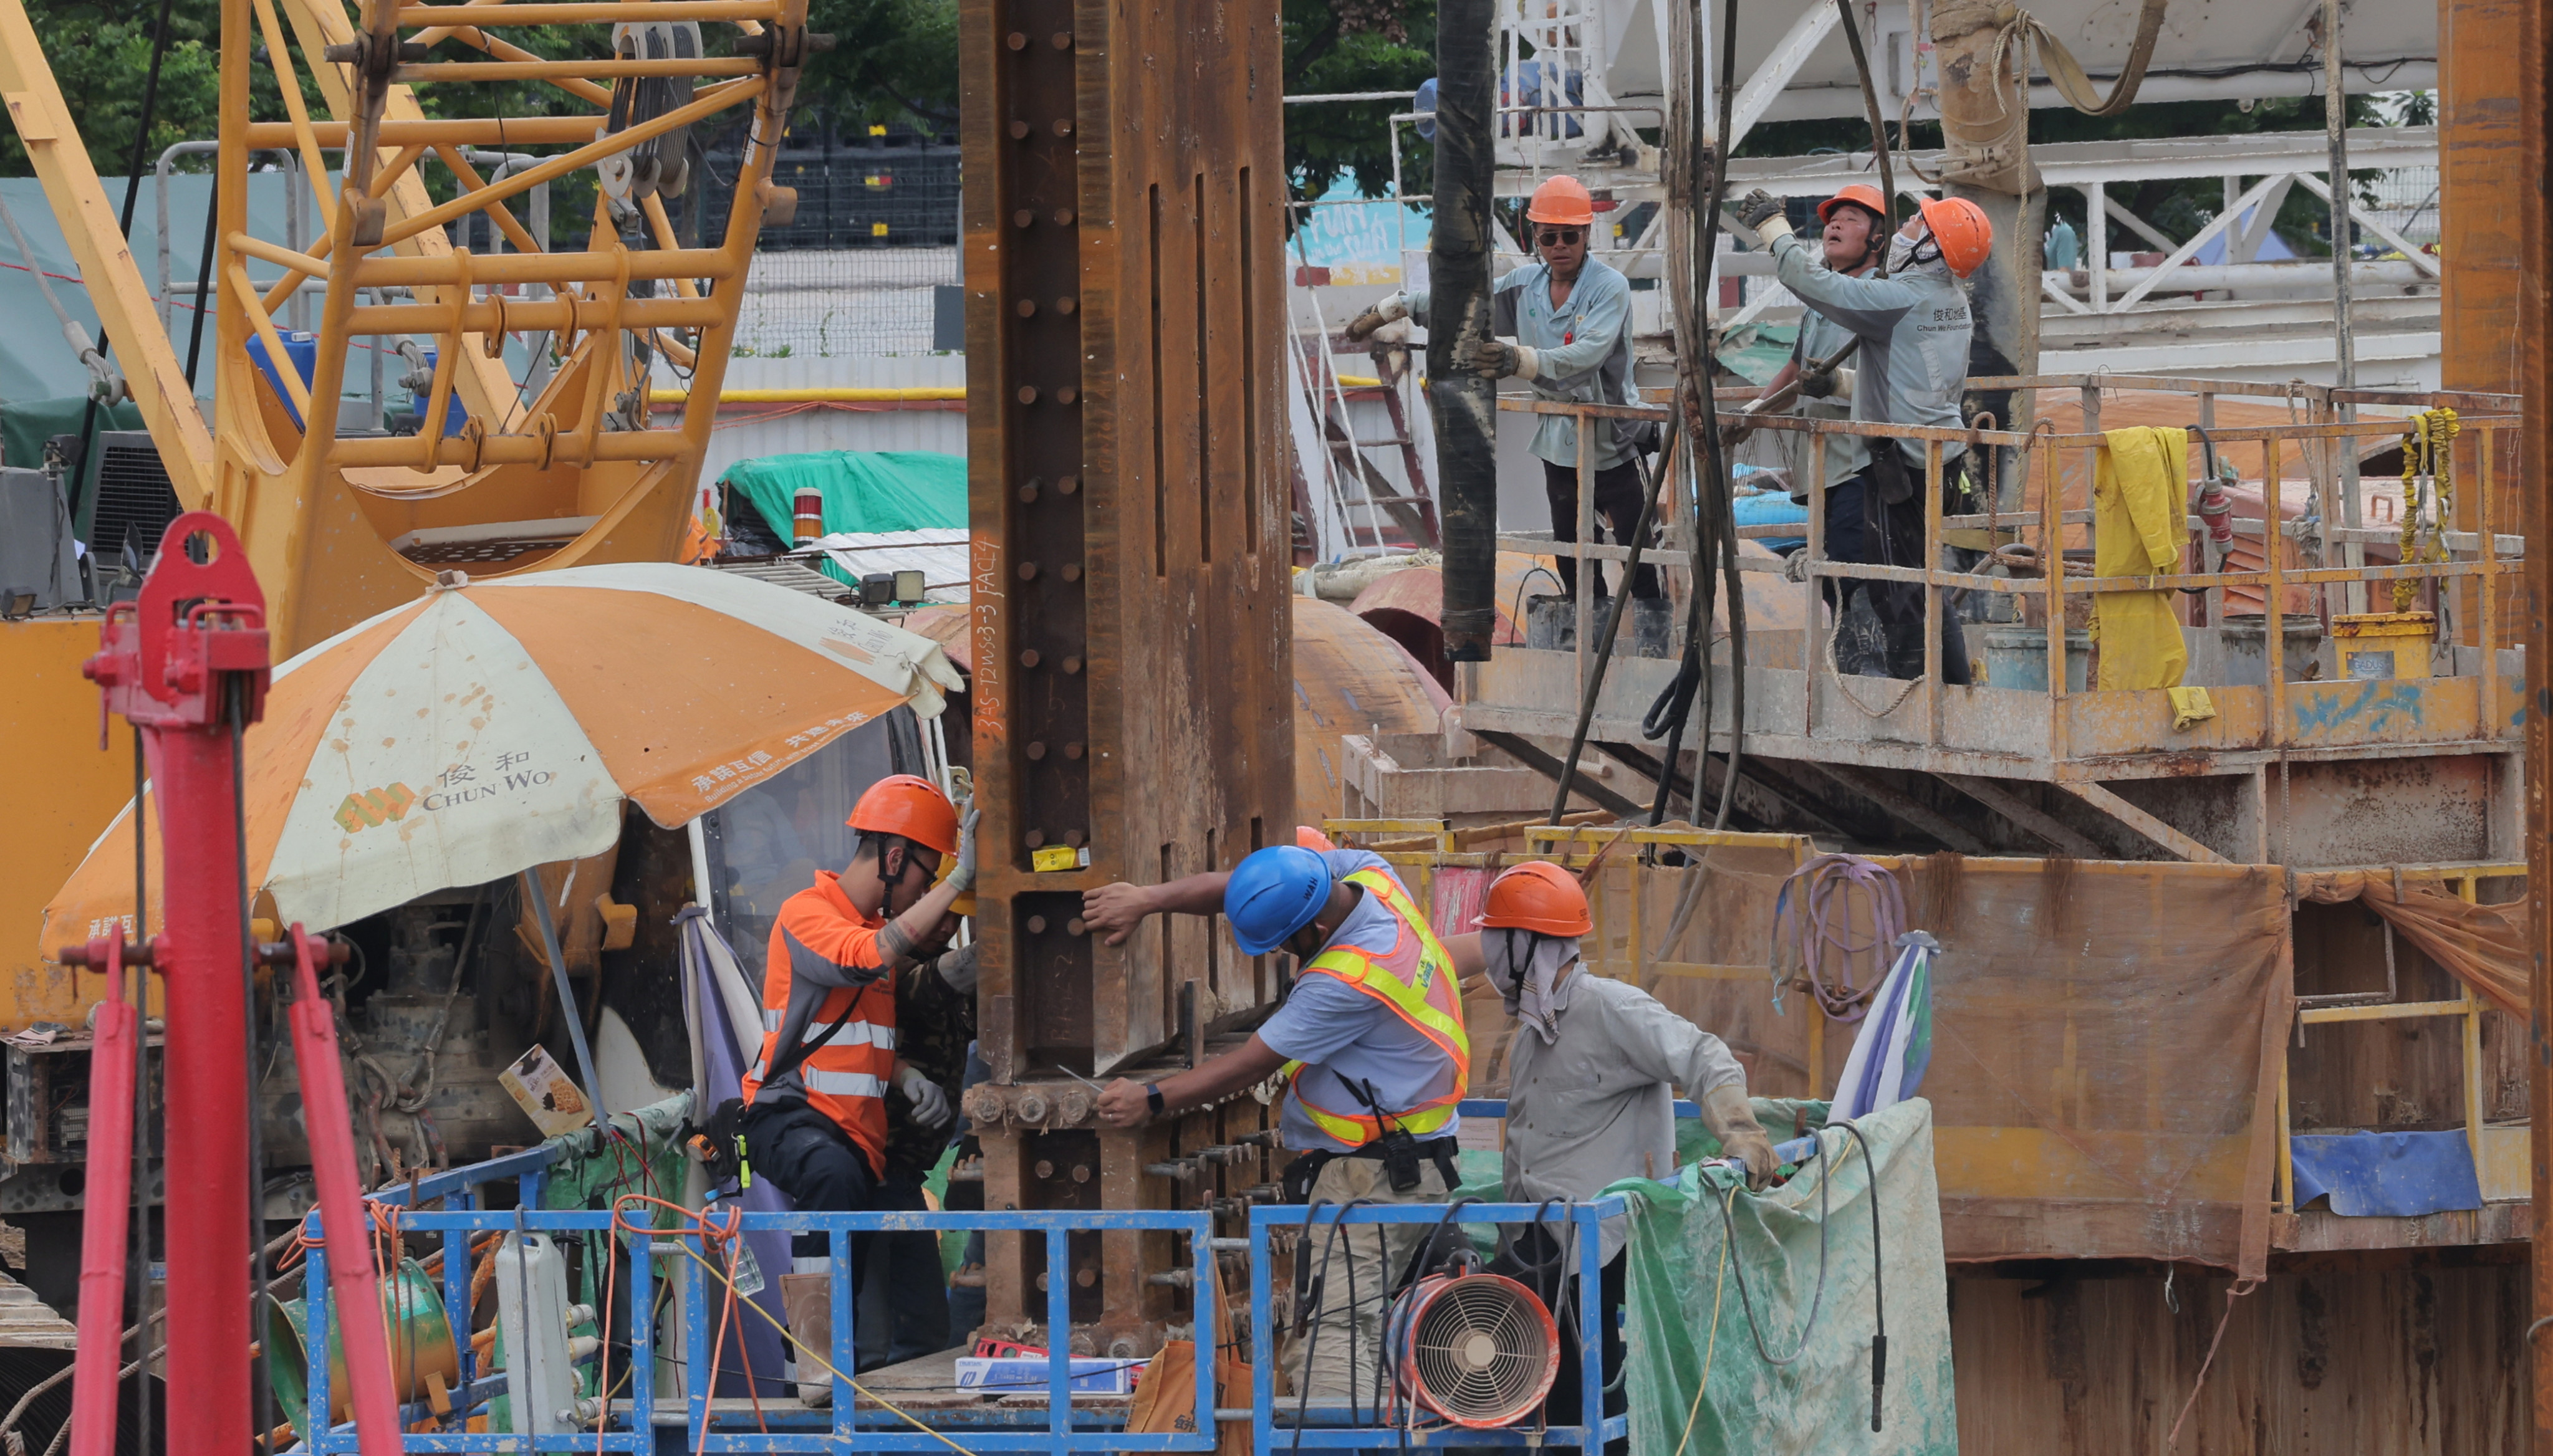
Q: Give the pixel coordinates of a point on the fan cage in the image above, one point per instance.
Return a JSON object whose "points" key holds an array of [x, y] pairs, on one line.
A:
{"points": [[1479, 1350]]}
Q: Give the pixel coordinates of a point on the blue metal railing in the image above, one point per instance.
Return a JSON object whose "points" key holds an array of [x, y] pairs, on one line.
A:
{"points": [[634, 1421]]}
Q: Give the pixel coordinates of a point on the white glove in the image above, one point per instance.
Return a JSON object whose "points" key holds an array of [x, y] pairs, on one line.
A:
{"points": [[930, 1103], [1391, 308], [963, 877], [960, 969]]}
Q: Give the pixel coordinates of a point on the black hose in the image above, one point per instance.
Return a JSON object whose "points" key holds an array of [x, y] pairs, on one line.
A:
{"points": [[203, 282], [1711, 522], [1878, 1285], [1878, 133]]}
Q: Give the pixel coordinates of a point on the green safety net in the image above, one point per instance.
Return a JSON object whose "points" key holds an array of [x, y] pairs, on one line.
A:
{"points": [[864, 490], [1686, 1315]]}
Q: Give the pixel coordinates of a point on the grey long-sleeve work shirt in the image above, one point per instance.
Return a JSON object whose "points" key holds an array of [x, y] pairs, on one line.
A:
{"points": [[1598, 1104], [1914, 327], [1585, 348]]}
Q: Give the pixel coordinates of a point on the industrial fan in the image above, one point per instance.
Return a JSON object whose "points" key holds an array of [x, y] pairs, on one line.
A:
{"points": [[1478, 1349]]}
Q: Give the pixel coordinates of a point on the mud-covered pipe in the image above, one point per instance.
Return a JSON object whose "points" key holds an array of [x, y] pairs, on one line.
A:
{"points": [[1462, 401]]}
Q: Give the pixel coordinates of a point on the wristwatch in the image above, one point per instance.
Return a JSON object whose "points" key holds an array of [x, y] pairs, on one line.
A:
{"points": [[1153, 1096]]}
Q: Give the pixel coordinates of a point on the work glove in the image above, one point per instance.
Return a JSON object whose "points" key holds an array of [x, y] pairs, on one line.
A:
{"points": [[1732, 1119], [931, 1103], [960, 969], [1822, 384], [963, 877], [1392, 308], [1762, 211], [1500, 360]]}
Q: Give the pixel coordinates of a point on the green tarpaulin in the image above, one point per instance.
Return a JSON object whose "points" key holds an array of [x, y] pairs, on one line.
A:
{"points": [[1757, 352], [864, 490], [1686, 1312]]}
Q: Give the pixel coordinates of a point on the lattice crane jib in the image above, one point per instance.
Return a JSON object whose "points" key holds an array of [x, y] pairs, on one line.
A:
{"points": [[570, 465]]}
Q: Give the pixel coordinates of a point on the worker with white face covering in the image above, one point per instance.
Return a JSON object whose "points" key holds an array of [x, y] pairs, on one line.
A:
{"points": [[1592, 1074]]}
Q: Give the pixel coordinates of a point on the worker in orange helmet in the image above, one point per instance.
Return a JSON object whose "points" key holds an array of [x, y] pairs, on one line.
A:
{"points": [[1313, 839], [1568, 316], [1912, 320], [815, 1120], [1592, 1074]]}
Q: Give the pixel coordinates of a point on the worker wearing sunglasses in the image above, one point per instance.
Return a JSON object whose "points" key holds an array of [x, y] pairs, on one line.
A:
{"points": [[1563, 322]]}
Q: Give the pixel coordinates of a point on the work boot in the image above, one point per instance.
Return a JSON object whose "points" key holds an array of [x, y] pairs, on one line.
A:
{"points": [[809, 1298]]}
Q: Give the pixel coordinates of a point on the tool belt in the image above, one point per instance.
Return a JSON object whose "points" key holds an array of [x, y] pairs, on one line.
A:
{"points": [[1392, 1149]]}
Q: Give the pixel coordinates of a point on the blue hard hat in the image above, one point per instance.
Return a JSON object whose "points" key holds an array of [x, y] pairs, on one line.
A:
{"points": [[1273, 894]]}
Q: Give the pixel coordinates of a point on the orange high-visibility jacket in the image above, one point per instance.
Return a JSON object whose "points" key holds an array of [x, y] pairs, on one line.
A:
{"points": [[824, 967]]}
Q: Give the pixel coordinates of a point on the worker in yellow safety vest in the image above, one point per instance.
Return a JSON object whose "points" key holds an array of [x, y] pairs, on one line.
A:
{"points": [[1370, 1044]]}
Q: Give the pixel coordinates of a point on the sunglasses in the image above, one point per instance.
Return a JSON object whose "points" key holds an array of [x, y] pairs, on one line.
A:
{"points": [[1560, 236]]}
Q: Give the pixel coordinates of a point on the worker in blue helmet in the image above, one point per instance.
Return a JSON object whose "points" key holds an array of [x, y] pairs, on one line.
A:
{"points": [[1370, 1044]]}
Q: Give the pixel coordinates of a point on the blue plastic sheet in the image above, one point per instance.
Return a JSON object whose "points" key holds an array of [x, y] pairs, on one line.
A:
{"points": [[2388, 1174]]}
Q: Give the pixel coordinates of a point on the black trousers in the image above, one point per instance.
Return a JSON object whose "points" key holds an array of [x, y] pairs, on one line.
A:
{"points": [[903, 1307], [1618, 507], [814, 1162], [1860, 527]]}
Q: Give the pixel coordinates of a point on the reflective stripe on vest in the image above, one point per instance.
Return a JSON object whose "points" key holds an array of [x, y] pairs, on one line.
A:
{"points": [[844, 1083], [1415, 979], [853, 1034], [846, 1079]]}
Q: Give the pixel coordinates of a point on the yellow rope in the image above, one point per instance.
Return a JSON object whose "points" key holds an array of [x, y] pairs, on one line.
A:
{"points": [[2429, 448], [805, 1353], [1710, 1346]]}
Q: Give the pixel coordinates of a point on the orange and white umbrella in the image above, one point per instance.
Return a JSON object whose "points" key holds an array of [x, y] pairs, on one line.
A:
{"points": [[490, 726]]}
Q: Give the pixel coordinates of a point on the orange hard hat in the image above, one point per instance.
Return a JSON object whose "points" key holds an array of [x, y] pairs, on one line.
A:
{"points": [[1537, 895], [1309, 838], [1564, 200], [1859, 194], [909, 807], [1961, 230]]}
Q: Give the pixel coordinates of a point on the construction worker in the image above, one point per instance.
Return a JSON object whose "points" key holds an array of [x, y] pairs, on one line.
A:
{"points": [[814, 1119], [1312, 839], [1913, 321], [1852, 233], [1370, 1043], [1568, 316], [1590, 1079]]}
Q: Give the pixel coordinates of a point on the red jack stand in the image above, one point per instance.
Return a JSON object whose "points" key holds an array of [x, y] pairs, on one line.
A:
{"points": [[187, 665]]}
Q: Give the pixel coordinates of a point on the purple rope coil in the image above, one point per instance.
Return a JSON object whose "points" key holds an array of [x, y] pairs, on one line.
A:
{"points": [[1820, 922]]}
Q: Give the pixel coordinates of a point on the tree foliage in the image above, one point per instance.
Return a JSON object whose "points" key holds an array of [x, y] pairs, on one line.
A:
{"points": [[1344, 46]]}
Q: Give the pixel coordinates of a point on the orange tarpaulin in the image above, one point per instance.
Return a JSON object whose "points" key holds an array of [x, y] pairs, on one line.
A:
{"points": [[2482, 945]]}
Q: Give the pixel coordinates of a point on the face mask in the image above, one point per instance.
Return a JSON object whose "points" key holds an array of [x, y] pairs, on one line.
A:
{"points": [[1900, 252]]}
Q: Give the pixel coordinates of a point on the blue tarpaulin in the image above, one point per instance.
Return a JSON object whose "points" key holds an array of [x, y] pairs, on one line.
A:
{"points": [[2397, 1173]]}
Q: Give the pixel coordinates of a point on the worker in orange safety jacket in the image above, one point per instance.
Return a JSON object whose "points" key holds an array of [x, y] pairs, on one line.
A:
{"points": [[814, 1121]]}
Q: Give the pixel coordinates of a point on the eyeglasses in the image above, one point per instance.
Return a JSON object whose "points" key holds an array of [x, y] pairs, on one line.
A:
{"points": [[1560, 236]]}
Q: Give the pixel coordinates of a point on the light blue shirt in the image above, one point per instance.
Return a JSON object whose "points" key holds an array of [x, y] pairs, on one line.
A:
{"points": [[1338, 1032], [1583, 347]]}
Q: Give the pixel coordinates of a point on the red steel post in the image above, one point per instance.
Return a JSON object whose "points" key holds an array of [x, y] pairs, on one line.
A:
{"points": [[110, 1199], [342, 1215], [183, 665]]}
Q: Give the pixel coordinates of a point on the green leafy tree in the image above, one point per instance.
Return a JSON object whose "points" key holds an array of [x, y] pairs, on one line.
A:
{"points": [[1343, 47], [892, 60]]}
